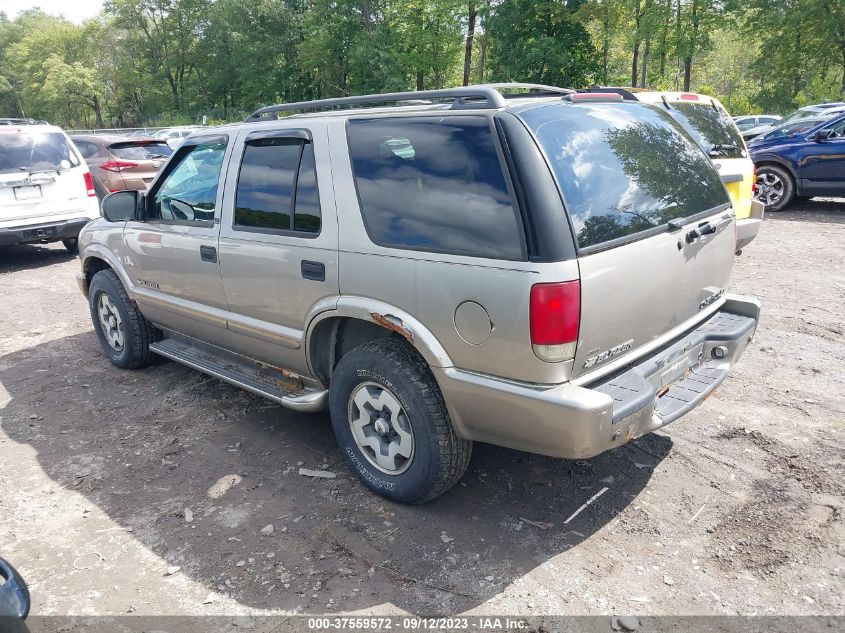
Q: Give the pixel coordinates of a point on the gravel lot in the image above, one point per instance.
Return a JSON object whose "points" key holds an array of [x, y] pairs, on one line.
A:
{"points": [[110, 479]]}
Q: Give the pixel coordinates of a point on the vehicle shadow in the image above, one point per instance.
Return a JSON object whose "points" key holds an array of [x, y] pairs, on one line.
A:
{"points": [[821, 210], [145, 445], [31, 256]]}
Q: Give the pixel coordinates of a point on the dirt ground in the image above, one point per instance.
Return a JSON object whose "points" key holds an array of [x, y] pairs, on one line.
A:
{"points": [[146, 492]]}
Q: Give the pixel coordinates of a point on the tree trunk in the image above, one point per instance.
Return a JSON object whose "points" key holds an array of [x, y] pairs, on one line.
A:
{"points": [[98, 113], [605, 48], [482, 59], [691, 48], [470, 35], [687, 72], [636, 55], [420, 80], [644, 79]]}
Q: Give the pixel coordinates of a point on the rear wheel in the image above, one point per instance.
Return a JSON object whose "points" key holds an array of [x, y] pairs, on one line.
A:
{"points": [[72, 245], [125, 335], [775, 187], [392, 425]]}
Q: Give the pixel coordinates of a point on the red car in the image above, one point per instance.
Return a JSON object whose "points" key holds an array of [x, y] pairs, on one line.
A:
{"points": [[119, 163]]}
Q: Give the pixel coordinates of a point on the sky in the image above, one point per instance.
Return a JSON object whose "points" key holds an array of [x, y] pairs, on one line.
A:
{"points": [[75, 10]]}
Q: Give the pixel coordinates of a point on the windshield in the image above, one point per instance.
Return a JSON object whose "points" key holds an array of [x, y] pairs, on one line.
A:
{"points": [[712, 128], [794, 127], [623, 168], [801, 113], [38, 151], [141, 150]]}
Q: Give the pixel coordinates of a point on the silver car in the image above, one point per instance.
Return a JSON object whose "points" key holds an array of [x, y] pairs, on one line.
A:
{"points": [[512, 264]]}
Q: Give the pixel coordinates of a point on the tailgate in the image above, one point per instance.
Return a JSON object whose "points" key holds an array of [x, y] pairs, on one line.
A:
{"points": [[40, 175], [652, 221], [634, 294]]}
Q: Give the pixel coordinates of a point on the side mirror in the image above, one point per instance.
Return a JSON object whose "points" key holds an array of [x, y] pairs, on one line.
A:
{"points": [[14, 595], [121, 206], [821, 135]]}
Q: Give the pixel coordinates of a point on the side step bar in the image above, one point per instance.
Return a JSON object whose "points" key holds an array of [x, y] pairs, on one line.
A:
{"points": [[263, 380]]}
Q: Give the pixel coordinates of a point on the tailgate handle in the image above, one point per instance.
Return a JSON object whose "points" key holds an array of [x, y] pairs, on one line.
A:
{"points": [[706, 228]]}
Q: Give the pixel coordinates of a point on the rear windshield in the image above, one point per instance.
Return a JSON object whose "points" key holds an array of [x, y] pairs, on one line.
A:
{"points": [[623, 168], [39, 151], [140, 150], [711, 128]]}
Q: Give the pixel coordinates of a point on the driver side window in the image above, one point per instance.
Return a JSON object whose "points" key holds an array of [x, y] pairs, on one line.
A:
{"points": [[189, 192]]}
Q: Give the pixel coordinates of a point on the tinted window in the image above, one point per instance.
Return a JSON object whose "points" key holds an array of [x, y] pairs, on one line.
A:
{"points": [[711, 128], [793, 127], [623, 168], [31, 151], [140, 151], [434, 184], [189, 192], [85, 148], [277, 175]]}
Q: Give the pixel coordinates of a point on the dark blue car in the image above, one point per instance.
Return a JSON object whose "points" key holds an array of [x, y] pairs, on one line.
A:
{"points": [[800, 164]]}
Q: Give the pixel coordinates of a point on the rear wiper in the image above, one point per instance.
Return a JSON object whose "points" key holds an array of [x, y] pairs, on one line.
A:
{"points": [[717, 150]]}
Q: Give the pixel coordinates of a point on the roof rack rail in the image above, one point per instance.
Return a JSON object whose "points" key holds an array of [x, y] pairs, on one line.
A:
{"points": [[484, 96], [19, 121], [626, 93]]}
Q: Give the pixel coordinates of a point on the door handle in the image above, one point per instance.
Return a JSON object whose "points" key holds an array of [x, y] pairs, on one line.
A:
{"points": [[315, 271], [208, 254]]}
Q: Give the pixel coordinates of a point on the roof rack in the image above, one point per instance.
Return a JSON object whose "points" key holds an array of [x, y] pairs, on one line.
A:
{"points": [[15, 121], [485, 96], [626, 93]]}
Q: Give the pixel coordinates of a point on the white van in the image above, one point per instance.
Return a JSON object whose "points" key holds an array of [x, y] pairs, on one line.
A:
{"points": [[46, 191]]}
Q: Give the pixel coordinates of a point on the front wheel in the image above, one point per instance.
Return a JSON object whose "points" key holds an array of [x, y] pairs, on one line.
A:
{"points": [[72, 245], [392, 425], [775, 187], [125, 335]]}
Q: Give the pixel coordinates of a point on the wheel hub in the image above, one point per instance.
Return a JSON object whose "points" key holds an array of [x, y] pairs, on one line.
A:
{"points": [[381, 428], [110, 322]]}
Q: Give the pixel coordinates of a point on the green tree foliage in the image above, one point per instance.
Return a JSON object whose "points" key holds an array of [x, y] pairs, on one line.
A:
{"points": [[541, 41], [172, 61]]}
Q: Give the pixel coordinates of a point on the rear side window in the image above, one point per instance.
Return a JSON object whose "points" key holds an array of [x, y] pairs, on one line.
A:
{"points": [[35, 151], [434, 184], [711, 128], [623, 168], [277, 186], [140, 151]]}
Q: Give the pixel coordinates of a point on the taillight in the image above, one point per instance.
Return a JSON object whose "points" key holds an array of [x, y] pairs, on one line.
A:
{"points": [[555, 316], [89, 185], [118, 165]]}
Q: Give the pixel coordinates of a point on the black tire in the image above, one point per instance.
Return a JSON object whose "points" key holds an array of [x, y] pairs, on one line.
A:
{"points": [[72, 245], [138, 333], [440, 457], [768, 174]]}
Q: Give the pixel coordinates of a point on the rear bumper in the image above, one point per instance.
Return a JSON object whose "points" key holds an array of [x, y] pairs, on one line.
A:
{"points": [[747, 229], [579, 422], [42, 232]]}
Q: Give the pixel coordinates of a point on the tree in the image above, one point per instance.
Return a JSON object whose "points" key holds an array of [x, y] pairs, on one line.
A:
{"points": [[541, 41]]}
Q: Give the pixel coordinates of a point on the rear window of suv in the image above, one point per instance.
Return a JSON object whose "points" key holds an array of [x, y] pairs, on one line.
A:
{"points": [[624, 168], [434, 184], [711, 127], [35, 151]]}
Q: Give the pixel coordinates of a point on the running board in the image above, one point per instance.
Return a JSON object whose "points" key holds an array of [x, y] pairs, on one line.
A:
{"points": [[264, 380]]}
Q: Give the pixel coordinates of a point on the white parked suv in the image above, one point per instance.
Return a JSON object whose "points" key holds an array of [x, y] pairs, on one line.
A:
{"points": [[46, 190]]}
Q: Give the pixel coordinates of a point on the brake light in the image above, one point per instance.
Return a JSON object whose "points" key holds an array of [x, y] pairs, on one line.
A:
{"points": [[89, 184], [594, 96], [118, 165], [555, 317], [688, 96]]}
